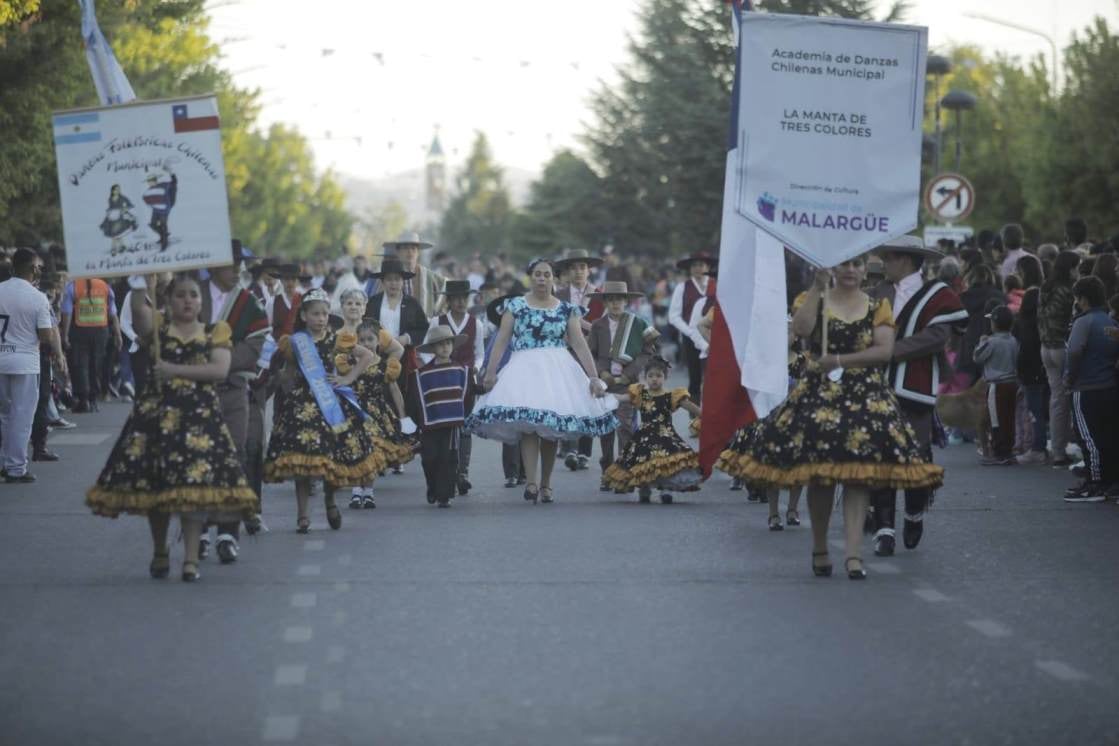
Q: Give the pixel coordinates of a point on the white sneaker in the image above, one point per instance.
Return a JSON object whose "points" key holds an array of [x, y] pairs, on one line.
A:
{"points": [[1033, 457]]}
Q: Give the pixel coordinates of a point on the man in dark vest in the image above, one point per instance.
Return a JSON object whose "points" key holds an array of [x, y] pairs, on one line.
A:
{"points": [[577, 289], [925, 314], [471, 353], [223, 299], [684, 298], [283, 307]]}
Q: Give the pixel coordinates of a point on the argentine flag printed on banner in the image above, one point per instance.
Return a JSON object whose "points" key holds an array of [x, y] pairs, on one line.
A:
{"points": [[70, 129]]}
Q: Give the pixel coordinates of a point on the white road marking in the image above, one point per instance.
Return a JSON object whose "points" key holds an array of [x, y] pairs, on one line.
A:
{"points": [[989, 627], [331, 701], [335, 654], [304, 600], [298, 634], [305, 571], [343, 586], [290, 674], [313, 545], [281, 728], [1062, 671], [929, 594], [79, 439]]}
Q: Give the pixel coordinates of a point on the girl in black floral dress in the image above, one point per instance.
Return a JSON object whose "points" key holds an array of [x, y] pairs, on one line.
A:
{"points": [[304, 445], [656, 456], [175, 454], [377, 391], [840, 423]]}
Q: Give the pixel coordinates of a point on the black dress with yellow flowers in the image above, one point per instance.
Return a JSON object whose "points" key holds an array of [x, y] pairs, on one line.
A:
{"points": [[656, 456], [175, 454], [848, 431], [303, 444], [383, 423]]}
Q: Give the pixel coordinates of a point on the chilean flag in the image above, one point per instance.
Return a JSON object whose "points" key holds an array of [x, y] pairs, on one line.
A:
{"points": [[186, 123], [747, 371]]}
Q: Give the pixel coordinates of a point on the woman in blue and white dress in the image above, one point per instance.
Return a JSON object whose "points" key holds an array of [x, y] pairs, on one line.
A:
{"points": [[543, 395]]}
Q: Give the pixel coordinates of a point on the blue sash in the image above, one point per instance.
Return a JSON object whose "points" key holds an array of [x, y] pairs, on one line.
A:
{"points": [[307, 355]]}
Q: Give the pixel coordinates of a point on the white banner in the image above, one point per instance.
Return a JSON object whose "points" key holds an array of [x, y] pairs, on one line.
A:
{"points": [[142, 187], [829, 135]]}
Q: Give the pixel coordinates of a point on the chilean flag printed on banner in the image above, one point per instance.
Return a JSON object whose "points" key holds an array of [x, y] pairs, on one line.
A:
{"points": [[185, 123], [747, 372]]}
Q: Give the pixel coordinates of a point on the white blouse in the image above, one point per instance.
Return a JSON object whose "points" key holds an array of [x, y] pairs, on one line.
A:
{"points": [[390, 317]]}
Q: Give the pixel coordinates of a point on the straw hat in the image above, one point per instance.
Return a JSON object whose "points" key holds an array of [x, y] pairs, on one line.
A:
{"points": [[439, 333], [577, 255], [408, 238], [612, 287]]}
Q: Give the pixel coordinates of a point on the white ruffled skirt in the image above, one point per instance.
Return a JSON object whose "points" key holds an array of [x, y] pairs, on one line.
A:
{"points": [[541, 391]]}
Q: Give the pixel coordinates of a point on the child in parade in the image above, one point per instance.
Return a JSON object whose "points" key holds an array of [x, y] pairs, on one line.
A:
{"points": [[175, 453], [511, 464], [470, 354], [656, 456], [319, 431], [998, 354], [440, 395], [380, 397]]}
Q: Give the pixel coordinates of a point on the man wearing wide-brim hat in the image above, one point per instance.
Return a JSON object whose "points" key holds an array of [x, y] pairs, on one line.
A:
{"points": [[575, 267], [925, 315], [283, 307], [696, 289], [425, 284], [620, 343], [264, 279]]}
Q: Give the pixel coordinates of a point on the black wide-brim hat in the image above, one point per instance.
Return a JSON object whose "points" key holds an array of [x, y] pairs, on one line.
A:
{"points": [[496, 307], [700, 256], [392, 266]]}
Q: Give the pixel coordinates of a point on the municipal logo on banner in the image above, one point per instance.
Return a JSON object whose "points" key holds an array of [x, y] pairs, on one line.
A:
{"points": [[142, 187], [829, 140]]}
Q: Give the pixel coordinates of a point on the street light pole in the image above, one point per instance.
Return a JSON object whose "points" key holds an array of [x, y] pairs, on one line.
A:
{"points": [[1027, 30]]}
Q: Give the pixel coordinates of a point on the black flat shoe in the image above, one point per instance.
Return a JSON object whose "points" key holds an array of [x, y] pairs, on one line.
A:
{"points": [[820, 571], [27, 478], [911, 533], [644, 495], [859, 574], [666, 499], [160, 567], [464, 486], [43, 454], [532, 493], [333, 517]]}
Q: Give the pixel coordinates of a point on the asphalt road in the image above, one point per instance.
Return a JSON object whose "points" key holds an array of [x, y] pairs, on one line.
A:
{"points": [[591, 621]]}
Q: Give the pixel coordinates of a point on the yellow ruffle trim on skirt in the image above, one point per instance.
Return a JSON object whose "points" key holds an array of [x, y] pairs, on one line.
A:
{"points": [[183, 499], [290, 465], [396, 454], [648, 472], [897, 476]]}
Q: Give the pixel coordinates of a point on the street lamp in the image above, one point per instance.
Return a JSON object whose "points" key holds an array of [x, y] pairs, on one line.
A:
{"points": [[959, 102], [937, 66], [1027, 30]]}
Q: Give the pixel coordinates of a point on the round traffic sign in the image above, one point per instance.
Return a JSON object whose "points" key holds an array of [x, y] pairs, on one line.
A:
{"points": [[949, 197]]}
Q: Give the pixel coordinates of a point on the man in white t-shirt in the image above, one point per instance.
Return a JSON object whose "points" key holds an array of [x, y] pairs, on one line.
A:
{"points": [[25, 322]]}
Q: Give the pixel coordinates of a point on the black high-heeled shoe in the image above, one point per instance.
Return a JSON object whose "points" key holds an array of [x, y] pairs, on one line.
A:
{"points": [[303, 525], [160, 567], [190, 572], [333, 516], [532, 493], [546, 495], [820, 571], [859, 574]]}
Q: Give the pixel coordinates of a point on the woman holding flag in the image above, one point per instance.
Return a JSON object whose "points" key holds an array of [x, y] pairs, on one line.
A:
{"points": [[840, 423], [319, 432]]}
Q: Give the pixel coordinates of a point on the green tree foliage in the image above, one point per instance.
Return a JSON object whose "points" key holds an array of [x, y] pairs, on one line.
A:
{"points": [[857, 9], [164, 48], [479, 213], [565, 210], [15, 11]]}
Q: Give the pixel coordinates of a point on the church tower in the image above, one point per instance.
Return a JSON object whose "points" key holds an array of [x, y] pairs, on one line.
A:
{"points": [[435, 195]]}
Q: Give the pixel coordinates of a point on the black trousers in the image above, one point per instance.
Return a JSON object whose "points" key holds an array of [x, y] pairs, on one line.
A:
{"points": [[695, 368], [581, 446], [139, 368], [254, 441], [439, 455], [88, 348], [234, 402], [39, 429], [511, 461], [1096, 415], [884, 501], [465, 446]]}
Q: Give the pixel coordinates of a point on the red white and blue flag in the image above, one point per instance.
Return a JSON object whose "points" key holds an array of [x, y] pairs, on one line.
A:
{"points": [[747, 374], [185, 123]]}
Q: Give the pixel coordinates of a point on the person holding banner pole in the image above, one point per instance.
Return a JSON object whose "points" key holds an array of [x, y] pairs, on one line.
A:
{"points": [[925, 316], [840, 423]]}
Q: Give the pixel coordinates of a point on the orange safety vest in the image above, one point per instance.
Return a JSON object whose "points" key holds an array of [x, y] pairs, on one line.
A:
{"points": [[91, 303]]}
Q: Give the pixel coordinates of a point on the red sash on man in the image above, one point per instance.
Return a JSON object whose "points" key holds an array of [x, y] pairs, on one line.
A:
{"points": [[692, 296]]}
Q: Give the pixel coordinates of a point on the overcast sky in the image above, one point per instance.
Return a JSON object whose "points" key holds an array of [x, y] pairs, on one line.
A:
{"points": [[390, 72]]}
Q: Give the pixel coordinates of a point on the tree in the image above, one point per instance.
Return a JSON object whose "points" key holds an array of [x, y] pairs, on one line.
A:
{"points": [[857, 9], [15, 11], [479, 213], [565, 210]]}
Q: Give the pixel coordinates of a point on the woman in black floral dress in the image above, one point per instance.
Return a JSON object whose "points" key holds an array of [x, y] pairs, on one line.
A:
{"points": [[175, 454], [656, 456], [840, 423], [304, 445]]}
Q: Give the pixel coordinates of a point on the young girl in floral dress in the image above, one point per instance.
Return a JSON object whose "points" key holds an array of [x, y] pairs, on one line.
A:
{"points": [[318, 432], [175, 454], [656, 456], [380, 397]]}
